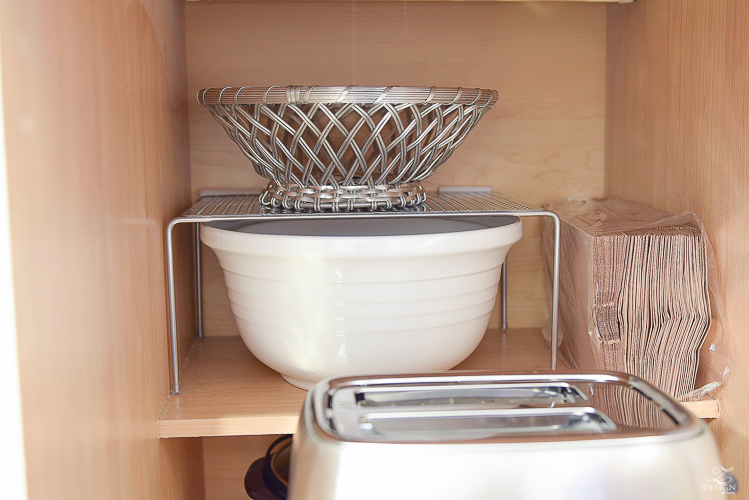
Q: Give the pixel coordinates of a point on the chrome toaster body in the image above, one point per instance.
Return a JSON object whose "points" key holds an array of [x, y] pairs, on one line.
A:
{"points": [[480, 436]]}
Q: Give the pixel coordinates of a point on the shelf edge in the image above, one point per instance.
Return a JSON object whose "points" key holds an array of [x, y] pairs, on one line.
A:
{"points": [[228, 426], [707, 408]]}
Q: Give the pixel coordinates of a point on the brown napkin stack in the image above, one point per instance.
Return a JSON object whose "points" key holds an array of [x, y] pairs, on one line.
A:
{"points": [[633, 290]]}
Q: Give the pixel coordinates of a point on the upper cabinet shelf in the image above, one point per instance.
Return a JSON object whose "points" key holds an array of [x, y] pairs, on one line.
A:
{"points": [[569, 1]]}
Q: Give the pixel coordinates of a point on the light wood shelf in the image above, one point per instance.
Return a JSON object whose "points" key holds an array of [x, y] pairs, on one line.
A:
{"points": [[228, 392], [557, 1]]}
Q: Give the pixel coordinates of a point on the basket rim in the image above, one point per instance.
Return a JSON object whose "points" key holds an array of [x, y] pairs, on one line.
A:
{"points": [[354, 94]]}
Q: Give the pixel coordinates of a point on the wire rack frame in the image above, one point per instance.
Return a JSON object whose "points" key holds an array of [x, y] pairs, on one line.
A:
{"points": [[246, 206]]}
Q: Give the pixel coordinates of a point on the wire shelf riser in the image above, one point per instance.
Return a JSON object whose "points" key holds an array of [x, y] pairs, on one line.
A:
{"points": [[248, 207]]}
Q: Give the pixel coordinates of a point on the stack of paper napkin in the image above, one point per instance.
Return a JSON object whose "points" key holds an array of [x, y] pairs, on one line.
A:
{"points": [[633, 290]]}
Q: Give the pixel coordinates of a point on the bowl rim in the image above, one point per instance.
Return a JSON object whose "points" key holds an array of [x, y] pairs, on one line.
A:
{"points": [[379, 246], [348, 94]]}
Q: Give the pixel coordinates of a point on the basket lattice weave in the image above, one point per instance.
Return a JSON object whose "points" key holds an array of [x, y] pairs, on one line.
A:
{"points": [[346, 148]]}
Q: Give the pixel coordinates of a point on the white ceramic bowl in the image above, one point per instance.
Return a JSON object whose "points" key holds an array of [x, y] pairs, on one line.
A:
{"points": [[322, 298]]}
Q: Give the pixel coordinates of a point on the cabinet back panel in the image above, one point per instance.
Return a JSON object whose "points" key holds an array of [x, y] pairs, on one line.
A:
{"points": [[226, 460], [96, 124], [543, 139]]}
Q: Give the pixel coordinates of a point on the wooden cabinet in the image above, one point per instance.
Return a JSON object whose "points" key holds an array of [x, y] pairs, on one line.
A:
{"points": [[105, 143], [677, 124]]}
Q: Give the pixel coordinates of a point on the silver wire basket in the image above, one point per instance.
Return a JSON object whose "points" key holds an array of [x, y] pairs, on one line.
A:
{"points": [[346, 148]]}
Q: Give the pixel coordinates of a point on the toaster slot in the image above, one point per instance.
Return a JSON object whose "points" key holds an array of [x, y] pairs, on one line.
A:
{"points": [[483, 424], [496, 395]]}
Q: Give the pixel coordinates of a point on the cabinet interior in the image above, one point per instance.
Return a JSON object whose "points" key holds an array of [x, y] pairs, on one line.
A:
{"points": [[543, 139], [643, 101]]}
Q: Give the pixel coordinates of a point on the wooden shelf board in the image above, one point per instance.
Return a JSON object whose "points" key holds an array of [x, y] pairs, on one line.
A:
{"points": [[568, 1], [228, 392]]}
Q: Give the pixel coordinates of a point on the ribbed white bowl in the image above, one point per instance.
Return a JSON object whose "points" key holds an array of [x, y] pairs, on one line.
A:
{"points": [[361, 293], [342, 309], [321, 298]]}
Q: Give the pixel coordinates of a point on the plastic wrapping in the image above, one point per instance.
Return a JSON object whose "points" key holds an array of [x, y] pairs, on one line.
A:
{"points": [[639, 294]]}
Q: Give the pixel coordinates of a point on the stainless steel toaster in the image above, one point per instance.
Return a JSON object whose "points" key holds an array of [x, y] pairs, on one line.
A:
{"points": [[479, 436]]}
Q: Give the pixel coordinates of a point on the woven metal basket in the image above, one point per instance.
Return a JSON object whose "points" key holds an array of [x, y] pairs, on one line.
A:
{"points": [[346, 148]]}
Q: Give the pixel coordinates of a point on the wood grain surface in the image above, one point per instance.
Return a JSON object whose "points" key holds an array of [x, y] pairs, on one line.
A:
{"points": [[677, 139], [226, 460], [544, 138], [228, 392], [96, 127], [536, 1]]}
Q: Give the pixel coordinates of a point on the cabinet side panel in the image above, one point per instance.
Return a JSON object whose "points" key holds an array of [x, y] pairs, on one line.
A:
{"points": [[543, 139], [677, 131], [96, 127]]}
